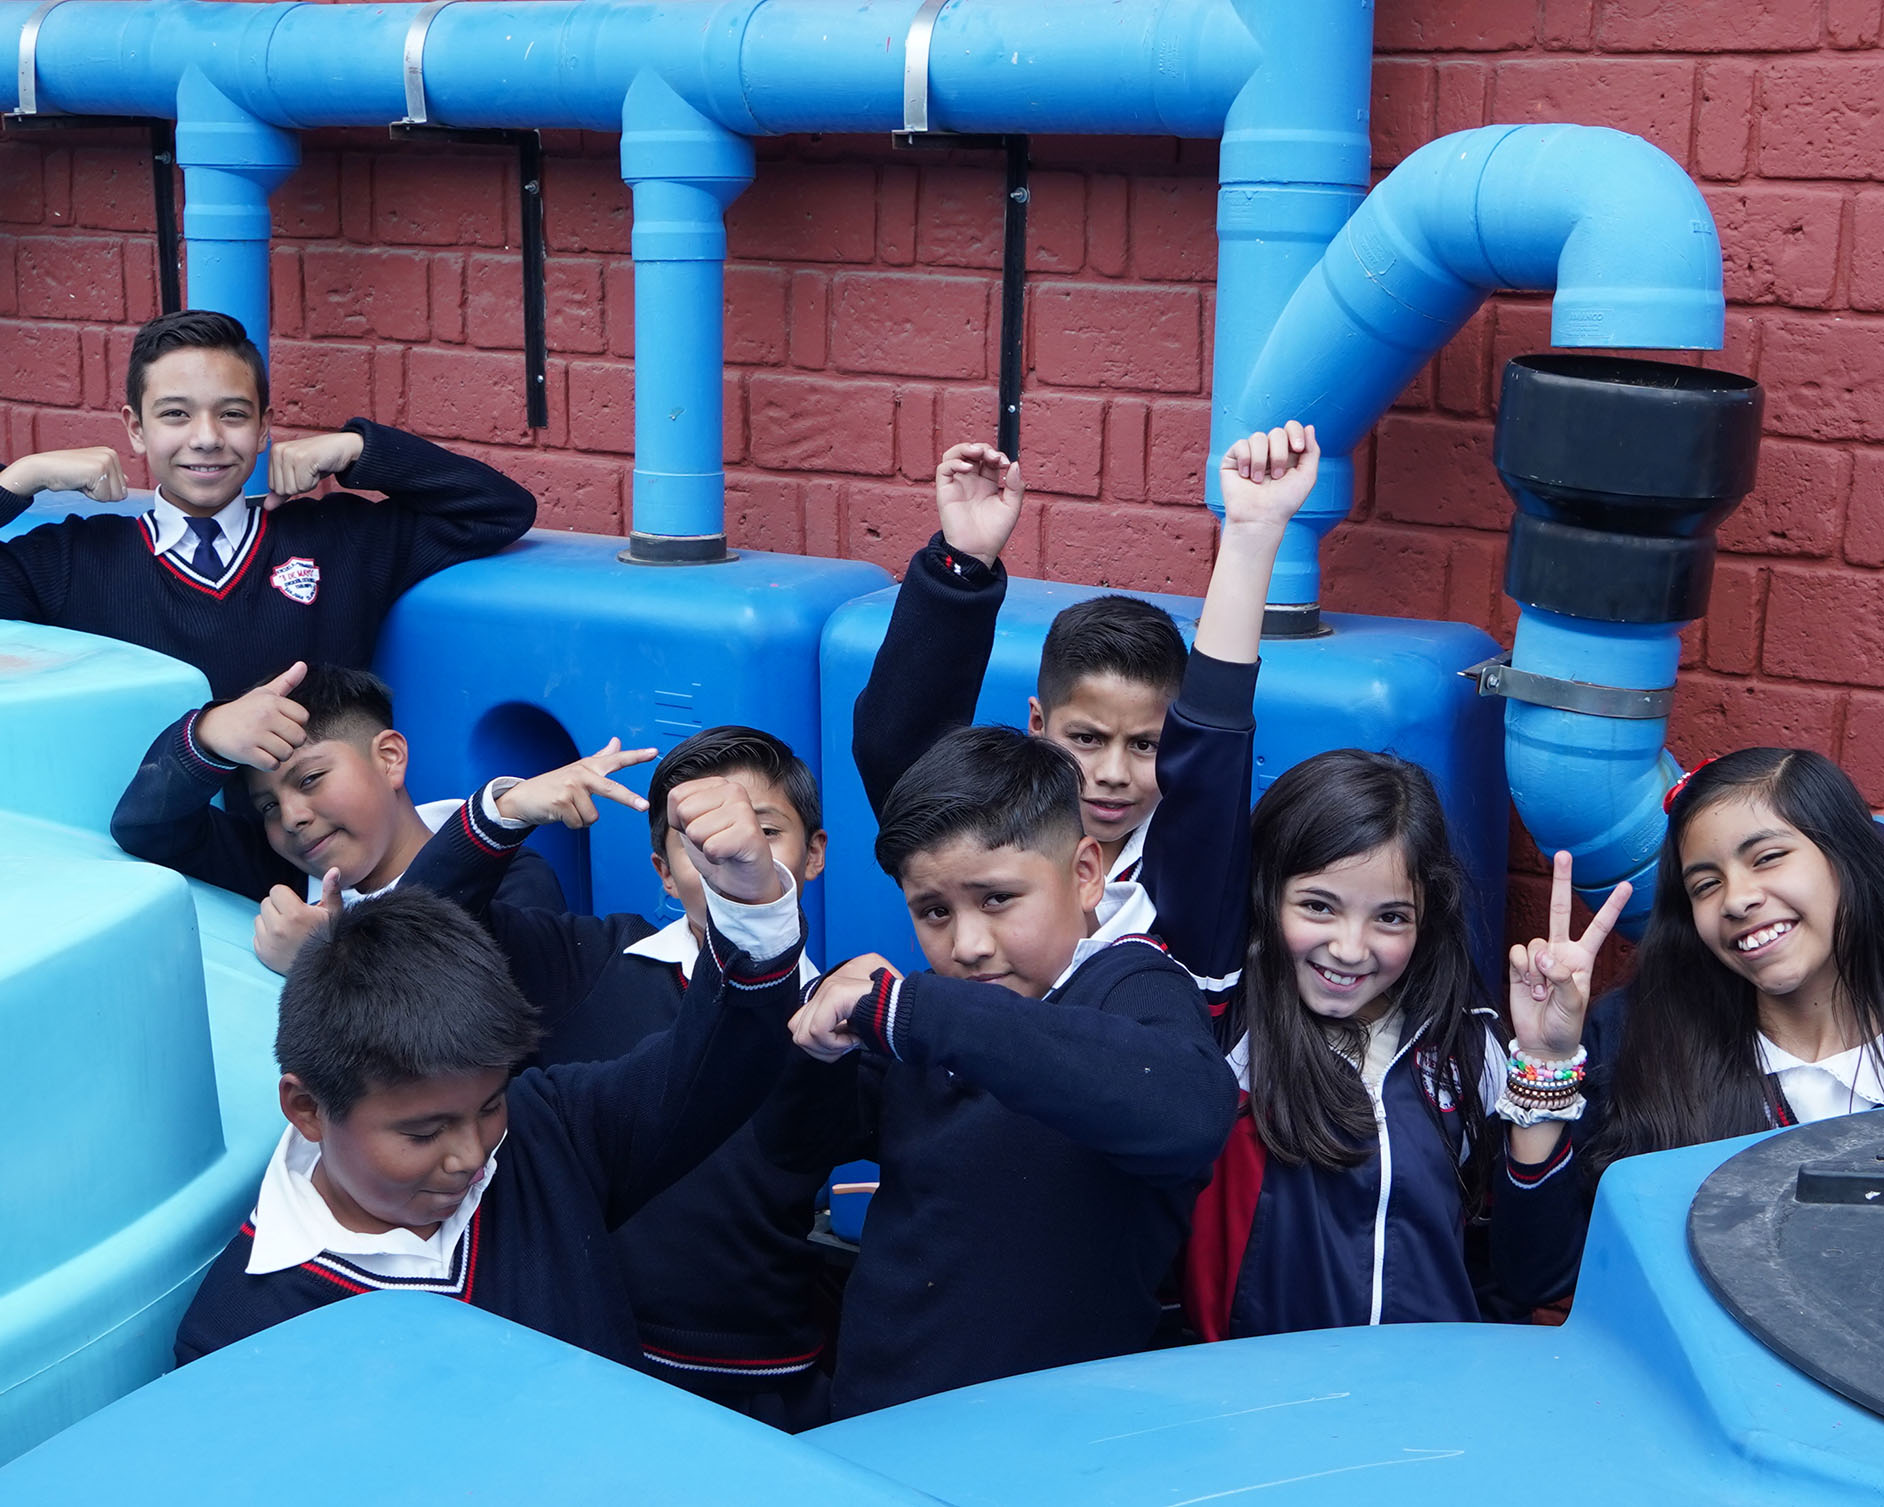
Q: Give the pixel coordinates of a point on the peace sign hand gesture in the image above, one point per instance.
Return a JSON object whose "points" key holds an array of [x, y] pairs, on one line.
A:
{"points": [[1550, 979]]}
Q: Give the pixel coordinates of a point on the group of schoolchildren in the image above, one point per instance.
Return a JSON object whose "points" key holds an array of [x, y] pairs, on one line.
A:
{"points": [[1167, 1052]]}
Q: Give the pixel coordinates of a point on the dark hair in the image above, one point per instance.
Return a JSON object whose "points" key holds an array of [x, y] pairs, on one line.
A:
{"points": [[402, 987], [727, 750], [1688, 1068], [1117, 635], [993, 784], [1308, 1102], [342, 702], [190, 329]]}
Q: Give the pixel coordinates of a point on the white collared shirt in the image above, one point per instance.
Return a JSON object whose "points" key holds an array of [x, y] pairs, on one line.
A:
{"points": [[676, 944], [1841, 1084], [294, 1225], [1124, 910], [433, 813], [1130, 853], [171, 526]]}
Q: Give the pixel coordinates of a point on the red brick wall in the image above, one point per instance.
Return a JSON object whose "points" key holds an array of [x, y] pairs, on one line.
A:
{"points": [[863, 299]]}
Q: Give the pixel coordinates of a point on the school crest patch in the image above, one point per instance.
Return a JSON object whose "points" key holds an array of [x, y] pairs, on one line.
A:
{"points": [[299, 580]]}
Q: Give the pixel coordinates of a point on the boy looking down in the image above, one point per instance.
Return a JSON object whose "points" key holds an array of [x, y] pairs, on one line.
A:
{"points": [[718, 1267], [1109, 667], [414, 1160], [238, 586], [1045, 1102], [326, 773]]}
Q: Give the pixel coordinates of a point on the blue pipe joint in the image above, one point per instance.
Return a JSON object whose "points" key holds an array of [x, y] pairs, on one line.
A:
{"points": [[684, 170], [1594, 785]]}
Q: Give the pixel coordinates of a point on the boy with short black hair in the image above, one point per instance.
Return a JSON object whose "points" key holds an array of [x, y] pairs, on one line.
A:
{"points": [[413, 1160], [1045, 1102], [718, 1266], [325, 771], [1109, 668], [234, 585]]}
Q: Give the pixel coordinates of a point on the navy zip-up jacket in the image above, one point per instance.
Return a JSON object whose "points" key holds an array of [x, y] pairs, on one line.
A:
{"points": [[588, 1145], [719, 1266]]}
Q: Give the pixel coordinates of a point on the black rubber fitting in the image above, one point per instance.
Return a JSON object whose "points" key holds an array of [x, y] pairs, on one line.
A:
{"points": [[675, 549], [1291, 620], [1622, 470]]}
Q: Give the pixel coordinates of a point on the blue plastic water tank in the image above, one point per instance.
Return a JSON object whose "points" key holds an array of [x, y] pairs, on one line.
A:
{"points": [[1373, 682]]}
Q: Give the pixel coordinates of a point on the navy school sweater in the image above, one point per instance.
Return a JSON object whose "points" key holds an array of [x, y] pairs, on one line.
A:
{"points": [[1039, 1157], [165, 817], [719, 1266], [1277, 1248], [588, 1145], [312, 580]]}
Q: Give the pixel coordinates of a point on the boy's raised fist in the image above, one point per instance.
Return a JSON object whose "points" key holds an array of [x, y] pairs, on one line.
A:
{"points": [[1267, 477], [725, 839], [567, 795], [96, 471], [978, 492], [261, 728], [295, 466]]}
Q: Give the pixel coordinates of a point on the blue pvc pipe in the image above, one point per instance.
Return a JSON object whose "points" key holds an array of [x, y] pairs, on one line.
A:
{"points": [[1610, 222], [231, 162]]}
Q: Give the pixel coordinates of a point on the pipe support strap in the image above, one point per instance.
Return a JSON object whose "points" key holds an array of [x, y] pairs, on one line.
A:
{"points": [[1497, 677]]}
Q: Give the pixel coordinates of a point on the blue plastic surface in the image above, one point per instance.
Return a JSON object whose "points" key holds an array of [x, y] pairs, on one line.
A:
{"points": [[137, 1101], [1650, 1393], [492, 661], [1382, 683]]}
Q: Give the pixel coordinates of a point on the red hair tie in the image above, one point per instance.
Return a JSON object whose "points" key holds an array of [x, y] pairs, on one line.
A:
{"points": [[1668, 801]]}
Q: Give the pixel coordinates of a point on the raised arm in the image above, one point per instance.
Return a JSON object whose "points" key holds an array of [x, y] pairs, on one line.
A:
{"points": [[928, 671], [36, 570], [1196, 866]]}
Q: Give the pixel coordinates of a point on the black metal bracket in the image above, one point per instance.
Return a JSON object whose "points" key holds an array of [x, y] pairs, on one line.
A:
{"points": [[528, 146], [1496, 677], [163, 160]]}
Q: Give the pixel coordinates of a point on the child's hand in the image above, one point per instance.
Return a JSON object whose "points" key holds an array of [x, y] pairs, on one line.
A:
{"points": [[296, 466], [97, 472], [978, 492], [1550, 979], [1266, 478], [261, 729], [286, 921], [567, 795], [725, 841], [821, 1028]]}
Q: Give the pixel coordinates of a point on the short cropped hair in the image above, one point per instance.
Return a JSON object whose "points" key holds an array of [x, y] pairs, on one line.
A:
{"points": [[343, 703], [186, 330], [401, 988], [993, 784], [1117, 635], [727, 750]]}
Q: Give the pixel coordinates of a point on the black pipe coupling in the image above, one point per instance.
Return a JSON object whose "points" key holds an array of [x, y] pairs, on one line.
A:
{"points": [[1622, 470]]}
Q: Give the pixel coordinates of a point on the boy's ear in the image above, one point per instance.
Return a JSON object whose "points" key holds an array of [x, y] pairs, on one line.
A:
{"points": [[1089, 873], [300, 1107], [268, 418], [134, 427], [1036, 717], [667, 874], [390, 754], [814, 854]]}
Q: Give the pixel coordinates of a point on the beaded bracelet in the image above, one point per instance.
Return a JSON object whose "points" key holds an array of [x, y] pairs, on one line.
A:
{"points": [[1543, 1074]]}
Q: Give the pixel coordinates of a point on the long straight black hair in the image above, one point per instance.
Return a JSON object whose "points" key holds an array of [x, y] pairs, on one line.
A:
{"points": [[1688, 1069], [1308, 1103]]}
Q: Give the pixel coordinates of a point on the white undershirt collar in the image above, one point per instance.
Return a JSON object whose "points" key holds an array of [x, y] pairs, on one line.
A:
{"points": [[172, 523]]}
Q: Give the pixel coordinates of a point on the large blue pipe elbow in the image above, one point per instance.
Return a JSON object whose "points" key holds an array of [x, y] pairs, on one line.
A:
{"points": [[1610, 222]]}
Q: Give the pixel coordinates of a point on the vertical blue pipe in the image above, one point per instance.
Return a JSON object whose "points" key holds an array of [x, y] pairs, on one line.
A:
{"points": [[684, 170], [231, 162]]}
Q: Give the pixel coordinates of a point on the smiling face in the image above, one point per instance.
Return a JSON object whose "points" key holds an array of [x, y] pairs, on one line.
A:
{"points": [[1111, 725], [1764, 898], [406, 1154], [1007, 916], [802, 853], [1350, 930], [341, 803], [200, 425]]}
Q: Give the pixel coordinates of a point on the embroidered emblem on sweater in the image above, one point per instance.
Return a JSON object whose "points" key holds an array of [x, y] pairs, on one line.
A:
{"points": [[299, 580]]}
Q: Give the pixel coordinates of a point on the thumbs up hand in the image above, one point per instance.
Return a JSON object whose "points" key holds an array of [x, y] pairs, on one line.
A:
{"points": [[261, 729], [286, 921]]}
